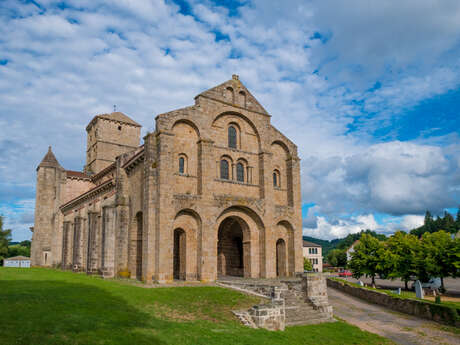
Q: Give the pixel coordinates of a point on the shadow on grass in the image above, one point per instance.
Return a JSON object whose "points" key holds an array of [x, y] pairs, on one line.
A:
{"points": [[55, 312]]}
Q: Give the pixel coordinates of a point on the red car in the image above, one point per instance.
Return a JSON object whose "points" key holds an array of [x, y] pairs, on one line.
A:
{"points": [[345, 273]]}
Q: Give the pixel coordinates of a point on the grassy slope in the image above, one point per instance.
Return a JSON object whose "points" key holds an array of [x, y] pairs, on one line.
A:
{"points": [[41, 306]]}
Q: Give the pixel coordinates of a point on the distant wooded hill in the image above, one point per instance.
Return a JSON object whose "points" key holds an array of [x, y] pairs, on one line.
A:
{"points": [[446, 223], [342, 243]]}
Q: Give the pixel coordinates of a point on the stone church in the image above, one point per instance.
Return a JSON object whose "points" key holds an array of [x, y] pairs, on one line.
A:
{"points": [[214, 191]]}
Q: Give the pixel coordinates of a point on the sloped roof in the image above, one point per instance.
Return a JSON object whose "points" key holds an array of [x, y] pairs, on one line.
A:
{"points": [[18, 258], [217, 93], [77, 174], [115, 116], [49, 160], [310, 244]]}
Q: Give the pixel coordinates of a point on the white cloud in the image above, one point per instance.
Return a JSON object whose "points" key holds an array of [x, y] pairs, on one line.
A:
{"points": [[341, 227], [66, 65]]}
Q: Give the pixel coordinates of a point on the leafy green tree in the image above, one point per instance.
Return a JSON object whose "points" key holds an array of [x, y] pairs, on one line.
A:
{"points": [[337, 258], [401, 256], [18, 250], [307, 266], [26, 243], [369, 258], [454, 258], [5, 237], [436, 255]]}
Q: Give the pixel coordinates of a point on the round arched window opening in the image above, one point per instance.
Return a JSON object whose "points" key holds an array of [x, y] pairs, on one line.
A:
{"points": [[181, 165], [232, 140], [224, 173], [276, 179], [240, 172]]}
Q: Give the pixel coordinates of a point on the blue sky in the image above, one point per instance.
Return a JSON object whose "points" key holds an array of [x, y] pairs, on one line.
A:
{"points": [[370, 92]]}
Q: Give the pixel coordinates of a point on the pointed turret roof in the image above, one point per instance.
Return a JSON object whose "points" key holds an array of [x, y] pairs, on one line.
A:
{"points": [[218, 93], [49, 160]]}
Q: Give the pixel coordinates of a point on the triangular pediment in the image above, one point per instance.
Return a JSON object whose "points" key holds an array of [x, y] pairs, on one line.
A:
{"points": [[233, 92]]}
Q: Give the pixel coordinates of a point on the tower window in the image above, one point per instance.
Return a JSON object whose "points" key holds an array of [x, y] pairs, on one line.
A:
{"points": [[240, 172], [232, 137], [181, 165], [119, 128], [276, 179], [224, 170]]}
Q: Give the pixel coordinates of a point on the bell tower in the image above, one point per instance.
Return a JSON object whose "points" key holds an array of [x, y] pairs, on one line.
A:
{"points": [[108, 136]]}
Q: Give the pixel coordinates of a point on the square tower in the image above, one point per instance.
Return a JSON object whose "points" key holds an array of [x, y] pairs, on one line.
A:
{"points": [[108, 136]]}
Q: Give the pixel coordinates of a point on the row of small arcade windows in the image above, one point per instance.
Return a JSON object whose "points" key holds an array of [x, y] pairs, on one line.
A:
{"points": [[243, 171]]}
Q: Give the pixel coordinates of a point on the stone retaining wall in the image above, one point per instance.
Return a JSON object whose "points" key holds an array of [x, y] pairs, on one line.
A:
{"points": [[436, 312]]}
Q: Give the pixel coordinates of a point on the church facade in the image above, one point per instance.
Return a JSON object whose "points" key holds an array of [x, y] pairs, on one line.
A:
{"points": [[213, 191]]}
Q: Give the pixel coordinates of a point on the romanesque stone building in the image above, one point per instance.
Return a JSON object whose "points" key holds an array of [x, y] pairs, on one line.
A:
{"points": [[213, 191]]}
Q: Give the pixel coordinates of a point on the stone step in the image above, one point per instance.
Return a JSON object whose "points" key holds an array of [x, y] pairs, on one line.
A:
{"points": [[310, 321], [300, 317], [300, 306]]}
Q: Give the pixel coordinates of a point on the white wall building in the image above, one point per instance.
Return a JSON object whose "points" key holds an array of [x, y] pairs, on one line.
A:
{"points": [[351, 250], [314, 253], [17, 261]]}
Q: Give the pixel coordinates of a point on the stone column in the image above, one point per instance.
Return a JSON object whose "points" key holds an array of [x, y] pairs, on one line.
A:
{"points": [[267, 240], [164, 232], [294, 167], [108, 241], [149, 208]]}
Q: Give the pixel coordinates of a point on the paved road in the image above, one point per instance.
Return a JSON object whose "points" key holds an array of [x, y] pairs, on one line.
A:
{"points": [[401, 328]]}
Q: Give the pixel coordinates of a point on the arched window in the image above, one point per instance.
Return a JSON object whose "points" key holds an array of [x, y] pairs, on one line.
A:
{"points": [[181, 165], [240, 172], [232, 137], [276, 179], [224, 170]]}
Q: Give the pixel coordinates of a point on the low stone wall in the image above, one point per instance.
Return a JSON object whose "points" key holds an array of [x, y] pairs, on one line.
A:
{"points": [[436, 312]]}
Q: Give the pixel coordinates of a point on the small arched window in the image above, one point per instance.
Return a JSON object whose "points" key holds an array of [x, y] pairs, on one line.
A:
{"points": [[240, 172], [276, 179], [232, 137], [224, 170], [181, 165]]}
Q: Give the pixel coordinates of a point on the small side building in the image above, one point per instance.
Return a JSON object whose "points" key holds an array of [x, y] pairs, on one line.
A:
{"points": [[351, 249], [314, 253], [17, 261]]}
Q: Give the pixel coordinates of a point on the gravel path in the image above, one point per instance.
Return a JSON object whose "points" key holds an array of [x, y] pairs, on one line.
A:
{"points": [[401, 328]]}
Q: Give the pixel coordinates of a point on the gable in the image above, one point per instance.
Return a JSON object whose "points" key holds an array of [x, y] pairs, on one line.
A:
{"points": [[234, 93]]}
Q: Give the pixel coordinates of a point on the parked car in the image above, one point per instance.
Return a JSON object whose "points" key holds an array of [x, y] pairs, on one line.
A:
{"points": [[345, 273]]}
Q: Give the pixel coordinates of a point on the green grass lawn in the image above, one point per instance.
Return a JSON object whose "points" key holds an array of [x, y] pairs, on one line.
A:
{"points": [[44, 306]]}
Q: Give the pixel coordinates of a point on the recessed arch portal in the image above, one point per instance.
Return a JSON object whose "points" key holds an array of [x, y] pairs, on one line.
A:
{"points": [[233, 248], [280, 258], [179, 254]]}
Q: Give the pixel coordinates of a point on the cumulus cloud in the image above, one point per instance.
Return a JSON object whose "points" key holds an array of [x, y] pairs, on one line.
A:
{"points": [[330, 76]]}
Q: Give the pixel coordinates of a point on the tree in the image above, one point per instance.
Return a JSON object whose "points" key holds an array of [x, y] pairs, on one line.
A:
{"points": [[18, 250], [5, 238], [401, 257], [437, 256], [307, 266], [26, 243], [369, 258], [337, 257]]}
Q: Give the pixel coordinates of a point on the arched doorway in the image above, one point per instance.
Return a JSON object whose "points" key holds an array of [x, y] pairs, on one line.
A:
{"points": [[233, 248], [280, 258], [140, 224], [179, 255]]}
